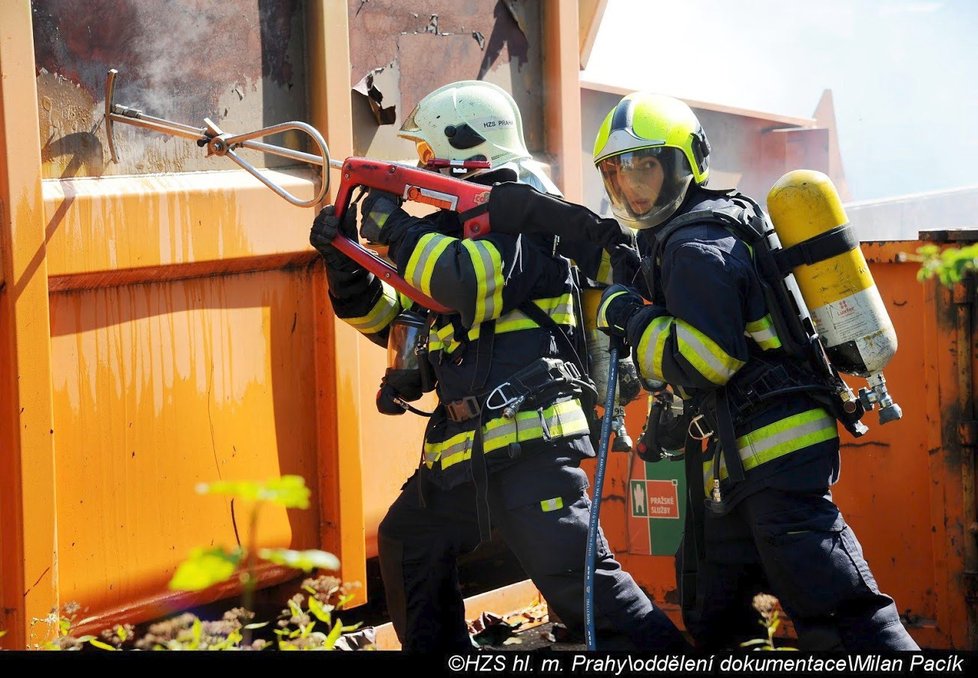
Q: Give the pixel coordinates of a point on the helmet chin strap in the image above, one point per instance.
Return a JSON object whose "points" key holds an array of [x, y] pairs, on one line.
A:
{"points": [[456, 167]]}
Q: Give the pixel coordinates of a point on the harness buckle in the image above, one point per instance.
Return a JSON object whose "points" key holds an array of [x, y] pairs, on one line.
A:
{"points": [[699, 433], [463, 410]]}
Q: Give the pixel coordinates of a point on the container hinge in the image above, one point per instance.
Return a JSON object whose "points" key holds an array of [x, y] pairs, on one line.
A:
{"points": [[968, 433]]}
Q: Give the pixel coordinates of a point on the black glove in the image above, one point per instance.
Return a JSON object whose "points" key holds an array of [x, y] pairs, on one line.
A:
{"points": [[519, 208], [629, 383], [325, 227], [618, 305], [626, 265], [381, 218]]}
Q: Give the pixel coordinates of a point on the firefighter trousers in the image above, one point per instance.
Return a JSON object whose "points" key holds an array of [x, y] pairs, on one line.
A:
{"points": [[797, 546], [540, 508]]}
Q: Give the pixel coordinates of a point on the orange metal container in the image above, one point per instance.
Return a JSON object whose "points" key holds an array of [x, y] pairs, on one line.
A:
{"points": [[907, 488], [165, 329], [160, 331]]}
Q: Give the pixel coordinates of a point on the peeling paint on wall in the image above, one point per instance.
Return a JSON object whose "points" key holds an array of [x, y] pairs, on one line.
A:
{"points": [[374, 86], [240, 64], [425, 44]]}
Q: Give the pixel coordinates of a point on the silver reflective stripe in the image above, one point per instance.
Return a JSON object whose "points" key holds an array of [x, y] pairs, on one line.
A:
{"points": [[651, 346], [487, 265], [562, 419], [421, 265], [380, 316], [705, 355], [763, 334], [778, 439]]}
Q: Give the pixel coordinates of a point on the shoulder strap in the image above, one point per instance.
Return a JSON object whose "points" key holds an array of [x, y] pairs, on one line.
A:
{"points": [[537, 315]]}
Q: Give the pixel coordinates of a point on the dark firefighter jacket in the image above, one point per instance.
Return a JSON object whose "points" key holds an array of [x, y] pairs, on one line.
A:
{"points": [[487, 341], [710, 328]]}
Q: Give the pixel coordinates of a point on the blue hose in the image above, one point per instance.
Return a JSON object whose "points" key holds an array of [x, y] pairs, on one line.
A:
{"points": [[593, 524]]}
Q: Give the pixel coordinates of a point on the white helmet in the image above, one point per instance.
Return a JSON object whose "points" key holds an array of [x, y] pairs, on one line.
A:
{"points": [[467, 120]]}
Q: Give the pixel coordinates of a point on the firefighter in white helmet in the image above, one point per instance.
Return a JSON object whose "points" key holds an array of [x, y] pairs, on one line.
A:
{"points": [[504, 445]]}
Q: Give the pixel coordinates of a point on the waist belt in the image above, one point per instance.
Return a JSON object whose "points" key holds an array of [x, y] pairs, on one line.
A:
{"points": [[757, 388], [542, 379]]}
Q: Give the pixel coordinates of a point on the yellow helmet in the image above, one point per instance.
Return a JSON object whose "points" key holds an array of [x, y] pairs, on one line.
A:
{"points": [[649, 149], [465, 120]]}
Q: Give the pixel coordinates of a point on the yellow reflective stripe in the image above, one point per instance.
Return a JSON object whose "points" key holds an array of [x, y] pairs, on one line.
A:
{"points": [[440, 337], [776, 440], [604, 275], [763, 334], [563, 419], [705, 355], [560, 309], [652, 345], [602, 317], [555, 504], [422, 262], [380, 316], [488, 265]]}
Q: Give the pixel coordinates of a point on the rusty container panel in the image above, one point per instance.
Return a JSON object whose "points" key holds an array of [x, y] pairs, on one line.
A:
{"points": [[183, 331], [157, 387], [188, 329], [891, 491], [907, 488]]}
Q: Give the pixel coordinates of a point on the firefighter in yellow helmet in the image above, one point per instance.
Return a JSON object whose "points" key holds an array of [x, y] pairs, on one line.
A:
{"points": [[762, 519], [700, 316], [504, 445]]}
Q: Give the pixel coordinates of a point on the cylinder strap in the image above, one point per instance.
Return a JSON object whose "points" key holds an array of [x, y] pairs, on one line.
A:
{"points": [[839, 240]]}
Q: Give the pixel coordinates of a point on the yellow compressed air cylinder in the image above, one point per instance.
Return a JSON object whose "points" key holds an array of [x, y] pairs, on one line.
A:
{"points": [[597, 341], [840, 293]]}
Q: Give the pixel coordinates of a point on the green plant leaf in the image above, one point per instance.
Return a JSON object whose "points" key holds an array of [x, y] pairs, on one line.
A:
{"points": [[196, 631], [256, 625], [232, 640], [950, 265], [301, 560], [287, 491], [120, 632], [102, 646], [205, 567], [320, 611], [333, 636]]}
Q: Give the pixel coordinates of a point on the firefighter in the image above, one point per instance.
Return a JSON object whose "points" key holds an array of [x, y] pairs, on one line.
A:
{"points": [[503, 447], [764, 518]]}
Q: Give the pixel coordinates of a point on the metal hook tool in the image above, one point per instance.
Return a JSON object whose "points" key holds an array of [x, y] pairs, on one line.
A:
{"points": [[220, 143]]}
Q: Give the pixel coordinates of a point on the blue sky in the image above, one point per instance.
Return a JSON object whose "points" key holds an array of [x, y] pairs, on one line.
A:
{"points": [[903, 73]]}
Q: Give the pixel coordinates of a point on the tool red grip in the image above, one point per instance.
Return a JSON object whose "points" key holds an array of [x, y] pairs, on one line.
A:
{"points": [[415, 185]]}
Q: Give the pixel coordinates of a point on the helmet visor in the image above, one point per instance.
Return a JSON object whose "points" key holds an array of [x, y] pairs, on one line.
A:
{"points": [[646, 186]]}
